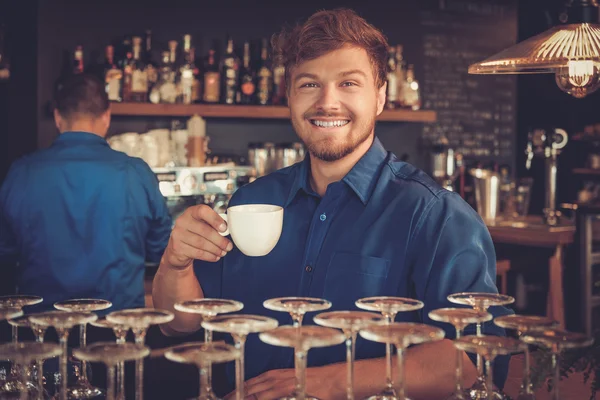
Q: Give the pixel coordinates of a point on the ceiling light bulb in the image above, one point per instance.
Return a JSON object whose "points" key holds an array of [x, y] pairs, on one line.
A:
{"points": [[579, 78]]}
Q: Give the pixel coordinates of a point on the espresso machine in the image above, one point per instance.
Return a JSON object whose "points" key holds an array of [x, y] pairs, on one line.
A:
{"points": [[213, 185], [445, 163], [547, 143]]}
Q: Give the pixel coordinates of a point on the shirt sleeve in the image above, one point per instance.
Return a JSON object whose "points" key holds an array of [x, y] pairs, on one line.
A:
{"points": [[452, 252], [9, 251], [161, 222]]}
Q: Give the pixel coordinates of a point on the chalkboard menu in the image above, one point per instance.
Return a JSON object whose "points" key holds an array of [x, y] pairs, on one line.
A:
{"points": [[476, 113]]}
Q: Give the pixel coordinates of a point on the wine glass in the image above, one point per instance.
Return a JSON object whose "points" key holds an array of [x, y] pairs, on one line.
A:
{"points": [[388, 307], [460, 318], [120, 332], [302, 339], [523, 324], [297, 306], [480, 302], [350, 322], [203, 355], [488, 347], [139, 320], [10, 312], [556, 340], [83, 389], [112, 354], [62, 321], [38, 331], [240, 326], [18, 301], [402, 335], [25, 353]]}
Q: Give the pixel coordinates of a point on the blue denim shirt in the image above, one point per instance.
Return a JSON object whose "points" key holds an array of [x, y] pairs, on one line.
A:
{"points": [[81, 219], [385, 229]]}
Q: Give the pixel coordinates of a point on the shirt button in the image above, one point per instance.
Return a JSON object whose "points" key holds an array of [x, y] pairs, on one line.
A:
{"points": [[308, 268], [323, 217]]}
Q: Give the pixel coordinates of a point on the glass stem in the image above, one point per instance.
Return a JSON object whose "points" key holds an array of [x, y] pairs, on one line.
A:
{"points": [[15, 334], [40, 378], [24, 392], [556, 367], [110, 383], [208, 334], [479, 359], [205, 383], [400, 384], [240, 344], [140, 338], [389, 318], [300, 369], [350, 348], [297, 318], [82, 344], [526, 377], [490, 377], [64, 337], [459, 365], [121, 335]]}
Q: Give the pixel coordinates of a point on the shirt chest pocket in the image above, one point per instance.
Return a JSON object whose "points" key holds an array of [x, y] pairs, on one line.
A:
{"points": [[353, 276]]}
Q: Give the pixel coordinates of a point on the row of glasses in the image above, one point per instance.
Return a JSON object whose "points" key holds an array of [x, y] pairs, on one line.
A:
{"points": [[120, 332]]}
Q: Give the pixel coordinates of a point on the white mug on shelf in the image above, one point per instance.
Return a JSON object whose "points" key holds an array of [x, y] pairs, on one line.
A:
{"points": [[254, 228]]}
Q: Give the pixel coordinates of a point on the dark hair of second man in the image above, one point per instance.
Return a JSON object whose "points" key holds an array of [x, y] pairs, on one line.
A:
{"points": [[83, 94]]}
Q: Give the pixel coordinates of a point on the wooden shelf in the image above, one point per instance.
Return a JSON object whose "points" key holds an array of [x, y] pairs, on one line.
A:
{"points": [[586, 171], [236, 111]]}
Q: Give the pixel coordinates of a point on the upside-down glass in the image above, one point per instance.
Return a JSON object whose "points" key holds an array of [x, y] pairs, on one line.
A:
{"points": [[460, 318], [203, 355], [83, 389], [402, 335], [523, 324], [62, 321], [297, 306], [120, 332], [302, 339], [139, 320], [557, 341], [350, 322], [488, 347], [240, 326], [209, 308], [112, 354], [480, 302], [389, 307], [24, 354]]}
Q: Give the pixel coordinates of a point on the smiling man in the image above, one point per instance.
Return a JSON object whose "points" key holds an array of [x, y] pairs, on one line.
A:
{"points": [[358, 222]]}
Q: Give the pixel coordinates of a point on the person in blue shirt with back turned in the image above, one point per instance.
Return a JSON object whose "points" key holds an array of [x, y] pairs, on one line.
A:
{"points": [[79, 218], [357, 222]]}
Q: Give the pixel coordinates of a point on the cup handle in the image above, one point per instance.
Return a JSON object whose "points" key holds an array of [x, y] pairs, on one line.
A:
{"points": [[224, 216]]}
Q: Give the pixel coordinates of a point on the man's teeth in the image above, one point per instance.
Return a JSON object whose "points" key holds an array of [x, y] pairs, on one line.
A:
{"points": [[329, 124]]}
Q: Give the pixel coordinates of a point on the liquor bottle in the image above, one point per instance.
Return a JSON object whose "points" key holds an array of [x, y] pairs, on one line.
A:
{"points": [[230, 73], [186, 72], [138, 90], [392, 86], [279, 85], [264, 86], [411, 91], [78, 60], [212, 80], [151, 66], [112, 75], [165, 90], [247, 89], [197, 85], [400, 73]]}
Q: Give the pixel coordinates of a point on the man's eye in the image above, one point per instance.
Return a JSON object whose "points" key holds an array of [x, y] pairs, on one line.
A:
{"points": [[310, 84], [348, 84]]}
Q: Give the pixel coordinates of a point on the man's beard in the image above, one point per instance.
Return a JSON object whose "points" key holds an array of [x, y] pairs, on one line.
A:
{"points": [[326, 151]]}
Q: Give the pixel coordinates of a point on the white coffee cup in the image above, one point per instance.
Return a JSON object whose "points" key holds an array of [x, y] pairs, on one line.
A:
{"points": [[254, 228]]}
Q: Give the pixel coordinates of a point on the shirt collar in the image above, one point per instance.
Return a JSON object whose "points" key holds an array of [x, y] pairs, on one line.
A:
{"points": [[80, 136], [361, 178]]}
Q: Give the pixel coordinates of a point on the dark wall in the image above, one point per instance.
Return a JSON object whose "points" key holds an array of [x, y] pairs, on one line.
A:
{"points": [[63, 24]]}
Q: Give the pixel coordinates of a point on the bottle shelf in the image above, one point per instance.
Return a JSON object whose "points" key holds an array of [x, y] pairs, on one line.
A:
{"points": [[241, 111]]}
